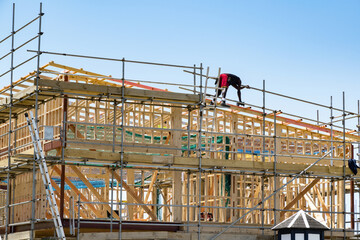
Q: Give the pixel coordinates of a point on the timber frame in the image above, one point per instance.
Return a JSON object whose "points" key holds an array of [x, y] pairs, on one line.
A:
{"points": [[120, 138], [125, 156]]}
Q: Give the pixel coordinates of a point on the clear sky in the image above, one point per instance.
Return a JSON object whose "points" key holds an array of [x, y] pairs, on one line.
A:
{"points": [[307, 49]]}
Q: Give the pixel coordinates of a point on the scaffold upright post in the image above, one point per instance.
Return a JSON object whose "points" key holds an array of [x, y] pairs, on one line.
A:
{"points": [[122, 144], [201, 106], [344, 166], [7, 210], [263, 160]]}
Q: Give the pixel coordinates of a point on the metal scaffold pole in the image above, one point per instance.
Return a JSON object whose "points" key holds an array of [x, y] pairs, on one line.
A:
{"points": [[122, 145], [275, 173], [357, 219], [201, 106], [188, 201], [263, 160], [112, 200], [112, 170], [344, 167], [7, 211], [34, 173], [331, 163]]}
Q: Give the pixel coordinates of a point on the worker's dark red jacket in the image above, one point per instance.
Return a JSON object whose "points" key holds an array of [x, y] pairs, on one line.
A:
{"points": [[224, 80]]}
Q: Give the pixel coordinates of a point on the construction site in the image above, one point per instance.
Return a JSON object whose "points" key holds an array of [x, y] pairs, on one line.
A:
{"points": [[84, 155]]}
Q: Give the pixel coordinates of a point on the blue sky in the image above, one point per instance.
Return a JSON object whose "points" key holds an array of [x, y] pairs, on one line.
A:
{"points": [[306, 49]]}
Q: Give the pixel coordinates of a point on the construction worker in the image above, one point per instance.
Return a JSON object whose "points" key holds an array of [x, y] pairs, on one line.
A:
{"points": [[226, 80]]}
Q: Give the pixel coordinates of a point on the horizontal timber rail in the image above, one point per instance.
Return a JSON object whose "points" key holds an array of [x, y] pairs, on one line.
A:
{"points": [[182, 168], [212, 132], [83, 156], [117, 79], [100, 90]]}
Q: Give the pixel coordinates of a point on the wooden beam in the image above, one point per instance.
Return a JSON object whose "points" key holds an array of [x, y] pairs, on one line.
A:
{"points": [[130, 178], [77, 192], [151, 185], [67, 213], [207, 163], [323, 204], [92, 189], [130, 147], [251, 197], [177, 196], [24, 93], [77, 133], [133, 195], [75, 88], [80, 70], [133, 84], [340, 203], [313, 207], [300, 195], [57, 192], [21, 79]]}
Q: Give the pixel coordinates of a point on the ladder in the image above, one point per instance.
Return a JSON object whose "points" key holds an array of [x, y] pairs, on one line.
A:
{"points": [[40, 160]]}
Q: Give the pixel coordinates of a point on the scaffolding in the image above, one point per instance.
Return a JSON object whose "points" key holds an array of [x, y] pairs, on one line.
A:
{"points": [[134, 161]]}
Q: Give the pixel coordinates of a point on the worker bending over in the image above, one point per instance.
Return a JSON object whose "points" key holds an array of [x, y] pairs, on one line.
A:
{"points": [[223, 82]]}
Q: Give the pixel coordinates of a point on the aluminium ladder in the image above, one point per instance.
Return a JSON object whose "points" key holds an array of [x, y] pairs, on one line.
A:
{"points": [[40, 160]]}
